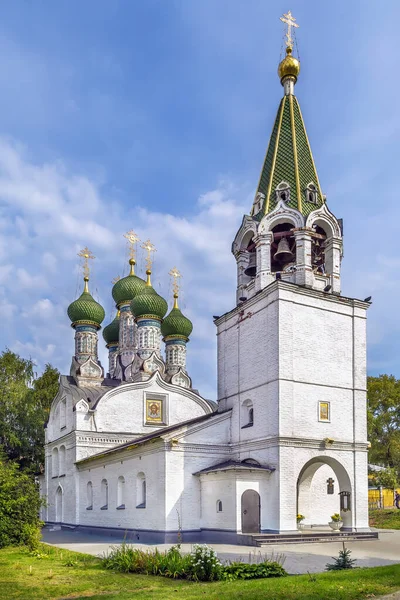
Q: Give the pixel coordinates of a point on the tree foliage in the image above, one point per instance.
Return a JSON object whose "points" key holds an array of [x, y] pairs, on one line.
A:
{"points": [[19, 505], [25, 401], [384, 421]]}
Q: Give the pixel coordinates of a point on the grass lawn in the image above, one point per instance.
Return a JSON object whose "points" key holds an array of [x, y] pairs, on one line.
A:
{"points": [[385, 519], [61, 574]]}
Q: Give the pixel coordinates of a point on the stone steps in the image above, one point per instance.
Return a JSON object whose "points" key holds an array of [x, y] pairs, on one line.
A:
{"points": [[267, 539]]}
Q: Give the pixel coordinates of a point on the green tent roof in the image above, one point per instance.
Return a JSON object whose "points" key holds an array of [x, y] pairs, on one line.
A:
{"points": [[289, 159]]}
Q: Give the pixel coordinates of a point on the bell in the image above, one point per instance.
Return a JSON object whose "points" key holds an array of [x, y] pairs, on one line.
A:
{"points": [[251, 268], [283, 254]]}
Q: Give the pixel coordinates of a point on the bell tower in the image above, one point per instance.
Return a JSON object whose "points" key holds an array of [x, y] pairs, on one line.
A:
{"points": [[292, 352], [290, 233]]}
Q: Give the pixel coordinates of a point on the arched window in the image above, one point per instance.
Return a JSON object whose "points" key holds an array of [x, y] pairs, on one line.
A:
{"points": [[283, 191], [141, 490], [251, 416], [247, 414], [104, 494], [61, 460], [219, 505], [89, 496], [311, 193], [121, 493], [54, 462]]}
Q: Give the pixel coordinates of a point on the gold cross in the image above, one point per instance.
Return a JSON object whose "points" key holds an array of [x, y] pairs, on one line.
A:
{"points": [[86, 255], [175, 274], [149, 247], [290, 22], [132, 239]]}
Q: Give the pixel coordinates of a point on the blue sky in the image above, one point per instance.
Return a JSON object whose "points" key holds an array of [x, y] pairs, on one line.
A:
{"points": [[155, 116]]}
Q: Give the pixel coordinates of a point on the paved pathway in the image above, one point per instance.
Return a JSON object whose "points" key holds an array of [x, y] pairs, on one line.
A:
{"points": [[299, 558]]}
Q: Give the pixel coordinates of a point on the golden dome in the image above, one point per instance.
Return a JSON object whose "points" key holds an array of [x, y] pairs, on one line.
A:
{"points": [[289, 65]]}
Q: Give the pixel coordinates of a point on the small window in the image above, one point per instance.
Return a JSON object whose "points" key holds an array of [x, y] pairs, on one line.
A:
{"points": [[283, 192], [219, 505], [324, 411], [141, 490], [247, 414], [104, 494], [89, 496], [251, 416], [311, 193]]}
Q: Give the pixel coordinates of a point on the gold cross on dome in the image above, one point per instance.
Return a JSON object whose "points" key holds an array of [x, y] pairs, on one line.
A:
{"points": [[175, 274], [132, 240], [86, 255], [150, 248], [290, 21]]}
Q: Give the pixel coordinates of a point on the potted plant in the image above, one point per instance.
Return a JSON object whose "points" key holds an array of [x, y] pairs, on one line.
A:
{"points": [[299, 520], [336, 522]]}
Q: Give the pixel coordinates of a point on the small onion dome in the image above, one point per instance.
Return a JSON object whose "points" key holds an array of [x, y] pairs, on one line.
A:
{"points": [[111, 331], [176, 324], [128, 287], [148, 303], [289, 66], [85, 310]]}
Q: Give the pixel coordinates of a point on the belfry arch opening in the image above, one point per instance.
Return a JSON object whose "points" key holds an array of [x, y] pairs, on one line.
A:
{"points": [[250, 247], [283, 247], [322, 484], [318, 259]]}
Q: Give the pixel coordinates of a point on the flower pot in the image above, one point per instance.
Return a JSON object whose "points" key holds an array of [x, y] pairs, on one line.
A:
{"points": [[336, 525], [301, 526]]}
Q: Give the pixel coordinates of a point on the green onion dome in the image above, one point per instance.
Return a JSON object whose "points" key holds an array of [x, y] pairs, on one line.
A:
{"points": [[111, 331], [176, 324], [85, 310], [128, 287], [148, 303]]}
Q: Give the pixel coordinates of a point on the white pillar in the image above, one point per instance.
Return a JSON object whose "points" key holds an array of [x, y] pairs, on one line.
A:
{"points": [[264, 275], [242, 260], [333, 257], [304, 272]]}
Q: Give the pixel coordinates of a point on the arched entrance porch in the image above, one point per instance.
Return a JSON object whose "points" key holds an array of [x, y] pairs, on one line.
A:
{"points": [[324, 488]]}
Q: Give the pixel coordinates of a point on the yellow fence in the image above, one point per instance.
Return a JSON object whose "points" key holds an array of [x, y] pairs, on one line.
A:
{"points": [[381, 498]]}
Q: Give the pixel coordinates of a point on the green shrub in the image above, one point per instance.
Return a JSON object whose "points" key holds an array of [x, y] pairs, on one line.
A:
{"points": [[19, 507], [201, 564], [239, 570], [204, 564]]}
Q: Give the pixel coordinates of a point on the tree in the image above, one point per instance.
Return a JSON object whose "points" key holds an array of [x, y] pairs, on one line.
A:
{"points": [[25, 401], [388, 478], [19, 506], [384, 421]]}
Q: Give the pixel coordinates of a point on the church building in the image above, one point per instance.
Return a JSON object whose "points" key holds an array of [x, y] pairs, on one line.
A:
{"points": [[138, 449]]}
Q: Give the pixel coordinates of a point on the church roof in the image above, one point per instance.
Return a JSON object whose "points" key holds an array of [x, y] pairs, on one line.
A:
{"points": [[234, 465], [151, 436], [90, 394], [289, 160]]}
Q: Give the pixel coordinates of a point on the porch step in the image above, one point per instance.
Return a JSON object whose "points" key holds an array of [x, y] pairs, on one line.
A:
{"points": [[266, 539]]}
